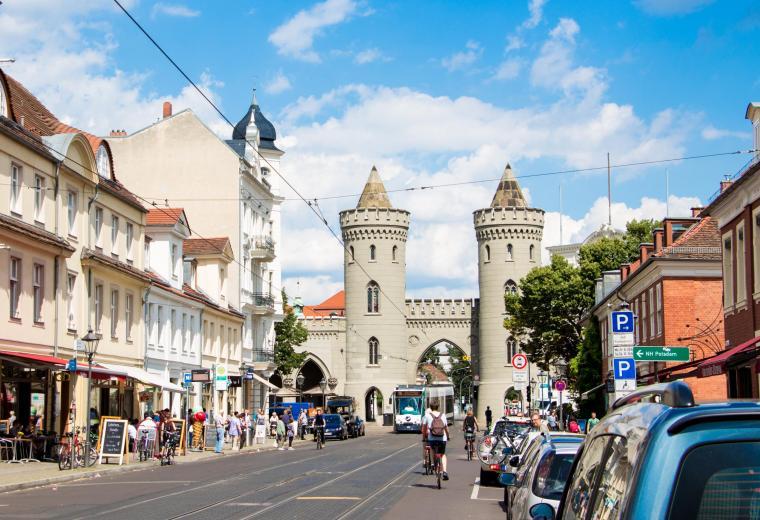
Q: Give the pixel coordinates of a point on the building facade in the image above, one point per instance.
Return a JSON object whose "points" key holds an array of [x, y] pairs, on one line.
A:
{"points": [[369, 339]]}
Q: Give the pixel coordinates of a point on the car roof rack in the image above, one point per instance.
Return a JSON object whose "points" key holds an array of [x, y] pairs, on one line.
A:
{"points": [[676, 394]]}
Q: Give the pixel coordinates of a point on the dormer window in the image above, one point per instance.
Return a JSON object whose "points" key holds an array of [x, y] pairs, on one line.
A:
{"points": [[3, 101], [189, 272], [104, 163]]}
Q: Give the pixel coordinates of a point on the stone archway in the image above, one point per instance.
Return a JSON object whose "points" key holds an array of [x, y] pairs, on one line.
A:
{"points": [[313, 374], [373, 404], [513, 398]]}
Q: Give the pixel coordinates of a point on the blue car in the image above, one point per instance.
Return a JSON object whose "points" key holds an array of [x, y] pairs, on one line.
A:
{"points": [[335, 427], [658, 455]]}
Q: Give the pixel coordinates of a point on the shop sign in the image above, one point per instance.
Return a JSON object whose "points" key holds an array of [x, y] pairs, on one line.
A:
{"points": [[200, 376], [221, 377]]}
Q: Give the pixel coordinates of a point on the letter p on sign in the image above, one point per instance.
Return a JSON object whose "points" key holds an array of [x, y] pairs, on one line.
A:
{"points": [[622, 321]]}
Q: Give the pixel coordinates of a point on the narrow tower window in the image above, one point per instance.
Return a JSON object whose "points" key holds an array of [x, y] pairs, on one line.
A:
{"points": [[394, 251], [373, 348], [373, 297], [510, 287], [531, 252], [372, 253], [511, 350], [488, 253], [509, 252], [351, 252]]}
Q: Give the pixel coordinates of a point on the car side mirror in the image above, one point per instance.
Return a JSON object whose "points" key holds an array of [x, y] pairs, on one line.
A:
{"points": [[541, 512], [507, 479], [514, 461]]}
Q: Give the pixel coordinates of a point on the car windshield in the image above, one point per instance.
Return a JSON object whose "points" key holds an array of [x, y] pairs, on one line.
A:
{"points": [[551, 474], [332, 421], [408, 405]]}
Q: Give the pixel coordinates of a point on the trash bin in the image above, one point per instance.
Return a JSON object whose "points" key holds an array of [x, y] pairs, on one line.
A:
{"points": [[387, 419]]}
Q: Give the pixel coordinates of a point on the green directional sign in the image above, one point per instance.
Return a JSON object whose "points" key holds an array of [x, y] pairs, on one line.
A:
{"points": [[661, 353]]}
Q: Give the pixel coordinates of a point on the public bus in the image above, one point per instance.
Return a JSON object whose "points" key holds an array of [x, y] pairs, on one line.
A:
{"points": [[411, 401]]}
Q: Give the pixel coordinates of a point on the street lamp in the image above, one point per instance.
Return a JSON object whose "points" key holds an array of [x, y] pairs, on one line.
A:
{"points": [[532, 394], [323, 385], [299, 381], [90, 340]]}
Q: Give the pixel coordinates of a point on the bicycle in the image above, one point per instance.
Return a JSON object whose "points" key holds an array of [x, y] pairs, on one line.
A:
{"points": [[71, 454], [469, 438], [168, 451], [320, 433], [438, 468], [143, 446], [428, 460]]}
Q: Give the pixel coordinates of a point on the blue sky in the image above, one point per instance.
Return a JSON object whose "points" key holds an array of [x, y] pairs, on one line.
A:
{"points": [[431, 92]]}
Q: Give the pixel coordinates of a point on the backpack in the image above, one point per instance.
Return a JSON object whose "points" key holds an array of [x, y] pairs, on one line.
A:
{"points": [[437, 426]]}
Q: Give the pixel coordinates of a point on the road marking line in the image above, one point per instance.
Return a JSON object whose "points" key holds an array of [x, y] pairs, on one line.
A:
{"points": [[373, 495], [331, 481], [475, 489], [328, 498], [250, 504], [138, 482]]}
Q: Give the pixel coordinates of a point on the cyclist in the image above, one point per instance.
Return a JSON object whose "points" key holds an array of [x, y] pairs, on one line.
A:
{"points": [[469, 427], [319, 426], [436, 431]]}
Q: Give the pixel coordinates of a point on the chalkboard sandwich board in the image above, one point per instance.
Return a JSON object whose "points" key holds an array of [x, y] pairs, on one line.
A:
{"points": [[179, 424], [209, 437], [113, 440]]}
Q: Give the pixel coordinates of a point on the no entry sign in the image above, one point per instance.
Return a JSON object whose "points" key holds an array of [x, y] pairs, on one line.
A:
{"points": [[519, 361]]}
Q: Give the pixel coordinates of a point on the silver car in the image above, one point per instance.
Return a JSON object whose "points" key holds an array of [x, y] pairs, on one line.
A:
{"points": [[541, 475]]}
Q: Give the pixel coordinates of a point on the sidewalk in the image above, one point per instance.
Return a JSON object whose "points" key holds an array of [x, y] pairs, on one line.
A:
{"points": [[14, 477]]}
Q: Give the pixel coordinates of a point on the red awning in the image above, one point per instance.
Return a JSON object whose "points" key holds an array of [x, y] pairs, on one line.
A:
{"points": [[36, 360], [716, 365]]}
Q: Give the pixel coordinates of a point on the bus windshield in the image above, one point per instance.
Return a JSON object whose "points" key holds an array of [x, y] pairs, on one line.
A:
{"points": [[408, 405]]}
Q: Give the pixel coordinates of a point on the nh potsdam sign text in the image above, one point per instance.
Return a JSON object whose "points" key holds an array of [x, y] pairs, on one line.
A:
{"points": [[661, 353]]}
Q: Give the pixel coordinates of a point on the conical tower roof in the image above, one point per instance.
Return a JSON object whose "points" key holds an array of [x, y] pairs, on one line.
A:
{"points": [[374, 194], [508, 194]]}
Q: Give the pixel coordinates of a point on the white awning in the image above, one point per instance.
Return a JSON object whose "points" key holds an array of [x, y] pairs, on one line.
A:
{"points": [[264, 381], [145, 377]]}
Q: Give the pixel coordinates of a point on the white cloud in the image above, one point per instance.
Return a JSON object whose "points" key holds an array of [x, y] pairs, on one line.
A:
{"points": [[295, 37], [280, 83], [311, 289], [514, 43], [178, 10], [370, 55], [671, 7], [536, 9], [710, 133], [508, 69], [463, 59], [577, 230]]}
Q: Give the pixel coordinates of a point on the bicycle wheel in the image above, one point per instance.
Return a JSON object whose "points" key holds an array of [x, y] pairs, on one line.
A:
{"points": [[438, 472], [469, 450], [64, 458]]}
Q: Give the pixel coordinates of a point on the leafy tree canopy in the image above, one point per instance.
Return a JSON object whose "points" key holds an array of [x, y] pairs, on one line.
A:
{"points": [[289, 333]]}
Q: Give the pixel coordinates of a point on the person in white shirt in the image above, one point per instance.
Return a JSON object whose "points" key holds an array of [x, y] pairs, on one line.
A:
{"points": [[436, 430]]}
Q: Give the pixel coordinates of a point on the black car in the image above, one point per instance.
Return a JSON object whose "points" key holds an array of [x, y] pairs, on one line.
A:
{"points": [[335, 427], [356, 427]]}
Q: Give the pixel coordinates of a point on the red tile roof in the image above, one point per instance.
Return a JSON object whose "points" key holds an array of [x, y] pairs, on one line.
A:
{"points": [[46, 237], [700, 242], [205, 246], [335, 304], [163, 216]]}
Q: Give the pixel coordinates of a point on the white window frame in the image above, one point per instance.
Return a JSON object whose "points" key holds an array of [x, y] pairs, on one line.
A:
{"points": [[728, 270], [39, 198], [174, 252], [71, 211], [14, 276], [152, 333], [173, 325], [192, 334], [222, 280], [652, 321], [71, 285], [644, 331], [99, 227], [129, 311], [17, 180], [658, 298], [99, 293], [130, 238], [114, 313], [103, 163], [184, 333], [741, 272], [160, 326], [114, 235], [38, 291]]}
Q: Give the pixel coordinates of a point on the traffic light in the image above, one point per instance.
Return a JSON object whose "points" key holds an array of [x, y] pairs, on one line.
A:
{"points": [[527, 393]]}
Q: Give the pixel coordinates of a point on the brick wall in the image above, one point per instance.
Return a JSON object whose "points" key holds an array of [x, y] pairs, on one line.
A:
{"points": [[689, 307], [708, 388]]}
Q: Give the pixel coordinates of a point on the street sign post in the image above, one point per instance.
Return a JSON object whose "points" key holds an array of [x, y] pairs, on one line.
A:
{"points": [[187, 378], [647, 353], [71, 366], [560, 386], [622, 339], [624, 368], [519, 361], [622, 321], [622, 352], [519, 376]]}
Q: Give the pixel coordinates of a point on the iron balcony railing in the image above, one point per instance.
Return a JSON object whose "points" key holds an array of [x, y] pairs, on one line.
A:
{"points": [[261, 355], [263, 300]]}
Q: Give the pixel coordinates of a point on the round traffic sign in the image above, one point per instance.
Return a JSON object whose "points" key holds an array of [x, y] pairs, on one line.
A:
{"points": [[519, 361], [560, 386]]}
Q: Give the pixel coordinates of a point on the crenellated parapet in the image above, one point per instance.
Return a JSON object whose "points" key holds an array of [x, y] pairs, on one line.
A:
{"points": [[439, 308], [382, 217]]}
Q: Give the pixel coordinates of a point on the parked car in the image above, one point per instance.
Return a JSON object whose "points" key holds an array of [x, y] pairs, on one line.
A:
{"points": [[666, 459], [356, 427], [335, 427], [541, 475]]}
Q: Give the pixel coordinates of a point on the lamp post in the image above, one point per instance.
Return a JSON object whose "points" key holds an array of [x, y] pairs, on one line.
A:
{"points": [[323, 385], [299, 381], [90, 341], [532, 393]]}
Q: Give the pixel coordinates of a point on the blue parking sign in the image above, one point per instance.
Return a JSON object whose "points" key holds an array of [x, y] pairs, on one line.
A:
{"points": [[622, 321], [624, 368]]}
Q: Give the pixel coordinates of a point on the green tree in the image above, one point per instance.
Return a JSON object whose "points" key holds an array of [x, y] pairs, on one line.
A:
{"points": [[459, 371], [586, 369], [432, 357], [547, 311], [289, 333]]}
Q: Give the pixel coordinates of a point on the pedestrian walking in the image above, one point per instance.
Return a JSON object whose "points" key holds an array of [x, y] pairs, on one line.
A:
{"points": [[291, 433], [551, 420], [303, 423], [273, 424], [234, 431], [280, 434], [219, 425], [591, 422], [489, 417]]}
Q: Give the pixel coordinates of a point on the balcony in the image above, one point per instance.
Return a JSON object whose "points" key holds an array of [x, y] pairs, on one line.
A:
{"points": [[263, 356], [263, 249], [263, 303]]}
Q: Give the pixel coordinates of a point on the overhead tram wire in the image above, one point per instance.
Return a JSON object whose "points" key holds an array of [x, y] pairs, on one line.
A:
{"points": [[280, 175]]}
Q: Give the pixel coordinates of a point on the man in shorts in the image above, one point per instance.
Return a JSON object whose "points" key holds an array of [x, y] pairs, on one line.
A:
{"points": [[436, 431]]}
